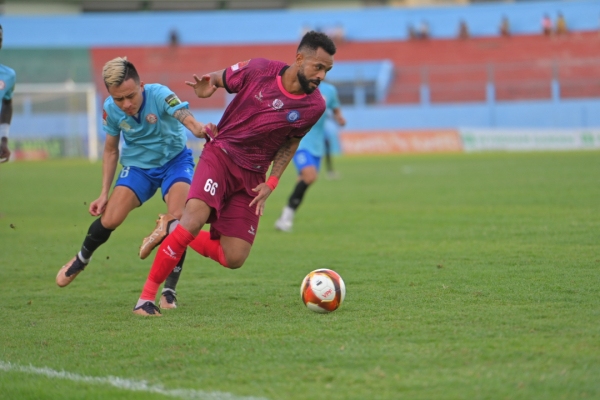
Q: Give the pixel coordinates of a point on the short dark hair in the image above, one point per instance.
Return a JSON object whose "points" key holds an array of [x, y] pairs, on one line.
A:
{"points": [[313, 40]]}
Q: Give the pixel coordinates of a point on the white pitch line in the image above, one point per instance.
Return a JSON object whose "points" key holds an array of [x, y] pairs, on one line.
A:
{"points": [[125, 384]]}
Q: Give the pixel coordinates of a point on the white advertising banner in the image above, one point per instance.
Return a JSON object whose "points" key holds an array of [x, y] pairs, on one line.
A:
{"points": [[477, 139]]}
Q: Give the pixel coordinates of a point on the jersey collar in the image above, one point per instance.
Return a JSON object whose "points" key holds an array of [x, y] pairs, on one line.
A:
{"points": [[139, 113], [285, 92]]}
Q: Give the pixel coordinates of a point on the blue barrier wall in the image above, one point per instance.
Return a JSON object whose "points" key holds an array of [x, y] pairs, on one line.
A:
{"points": [[514, 114], [284, 26]]}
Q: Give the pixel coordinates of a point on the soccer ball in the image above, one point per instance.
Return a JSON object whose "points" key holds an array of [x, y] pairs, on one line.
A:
{"points": [[323, 291]]}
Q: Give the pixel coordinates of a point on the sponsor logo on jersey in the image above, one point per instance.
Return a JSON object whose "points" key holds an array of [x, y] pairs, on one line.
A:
{"points": [[239, 65], [277, 104], [151, 118], [104, 118], [125, 126], [252, 231], [259, 96], [172, 100], [293, 116], [2, 85]]}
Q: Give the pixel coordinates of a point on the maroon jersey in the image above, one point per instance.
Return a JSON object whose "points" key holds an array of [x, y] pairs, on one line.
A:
{"points": [[263, 115]]}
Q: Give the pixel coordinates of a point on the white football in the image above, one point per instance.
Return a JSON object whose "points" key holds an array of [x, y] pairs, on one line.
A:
{"points": [[323, 291]]}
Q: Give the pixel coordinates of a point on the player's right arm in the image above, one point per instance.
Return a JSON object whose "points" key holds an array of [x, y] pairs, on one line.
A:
{"points": [[197, 128], [282, 158], [205, 87], [109, 167]]}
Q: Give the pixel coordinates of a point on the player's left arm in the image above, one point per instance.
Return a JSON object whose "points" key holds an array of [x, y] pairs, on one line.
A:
{"points": [[197, 128], [205, 87], [282, 158], [5, 118]]}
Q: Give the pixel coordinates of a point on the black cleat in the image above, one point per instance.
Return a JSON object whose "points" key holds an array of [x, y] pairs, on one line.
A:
{"points": [[69, 271], [148, 309], [168, 299]]}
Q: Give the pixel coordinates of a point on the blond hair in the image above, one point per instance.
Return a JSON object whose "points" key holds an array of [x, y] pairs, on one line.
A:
{"points": [[117, 71]]}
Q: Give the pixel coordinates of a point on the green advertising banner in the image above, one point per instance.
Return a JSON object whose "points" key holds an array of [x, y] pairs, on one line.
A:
{"points": [[478, 139]]}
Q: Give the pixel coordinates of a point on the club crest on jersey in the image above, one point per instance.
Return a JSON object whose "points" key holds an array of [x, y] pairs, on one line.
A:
{"points": [[104, 117], [277, 104], [2, 85], [173, 100], [239, 65], [293, 116], [151, 118]]}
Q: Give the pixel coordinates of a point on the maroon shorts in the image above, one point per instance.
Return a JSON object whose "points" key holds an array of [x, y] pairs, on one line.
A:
{"points": [[227, 188]]}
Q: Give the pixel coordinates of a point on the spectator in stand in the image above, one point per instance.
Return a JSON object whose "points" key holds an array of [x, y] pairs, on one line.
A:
{"points": [[337, 33], [412, 34], [546, 25], [505, 27], [304, 30], [561, 25], [463, 30], [173, 38], [423, 33]]}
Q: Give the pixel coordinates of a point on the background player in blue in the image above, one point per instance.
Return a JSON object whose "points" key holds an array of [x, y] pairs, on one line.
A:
{"points": [[308, 156], [154, 155], [7, 86]]}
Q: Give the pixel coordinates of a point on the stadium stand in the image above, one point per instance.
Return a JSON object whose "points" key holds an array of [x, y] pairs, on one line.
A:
{"points": [[486, 80], [285, 26], [455, 71]]}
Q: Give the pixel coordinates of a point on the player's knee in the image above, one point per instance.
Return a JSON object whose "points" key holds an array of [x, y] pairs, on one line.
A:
{"points": [[308, 175], [190, 223], [235, 261], [110, 222], [177, 214], [311, 179]]}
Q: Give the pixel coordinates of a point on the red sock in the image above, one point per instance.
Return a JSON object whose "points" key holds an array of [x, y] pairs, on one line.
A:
{"points": [[168, 255], [209, 248]]}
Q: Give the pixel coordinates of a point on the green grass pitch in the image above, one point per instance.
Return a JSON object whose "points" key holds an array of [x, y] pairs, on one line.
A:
{"points": [[471, 276]]}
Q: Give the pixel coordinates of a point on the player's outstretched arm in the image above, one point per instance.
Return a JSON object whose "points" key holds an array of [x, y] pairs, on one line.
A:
{"points": [[198, 129], [339, 117], [280, 162], [5, 118], [109, 166], [205, 87]]}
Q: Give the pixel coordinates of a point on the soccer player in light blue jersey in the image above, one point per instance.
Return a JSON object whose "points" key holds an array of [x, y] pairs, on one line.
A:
{"points": [[154, 155], [7, 87], [308, 156]]}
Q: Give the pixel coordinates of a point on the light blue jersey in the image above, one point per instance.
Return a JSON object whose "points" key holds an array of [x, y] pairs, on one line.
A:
{"points": [[314, 141], [8, 78], [153, 137]]}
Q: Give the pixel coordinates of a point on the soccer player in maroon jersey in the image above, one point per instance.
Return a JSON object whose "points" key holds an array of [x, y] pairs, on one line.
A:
{"points": [[275, 106]]}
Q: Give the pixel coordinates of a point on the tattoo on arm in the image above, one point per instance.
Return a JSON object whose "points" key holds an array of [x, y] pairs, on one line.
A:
{"points": [[283, 157], [182, 114]]}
